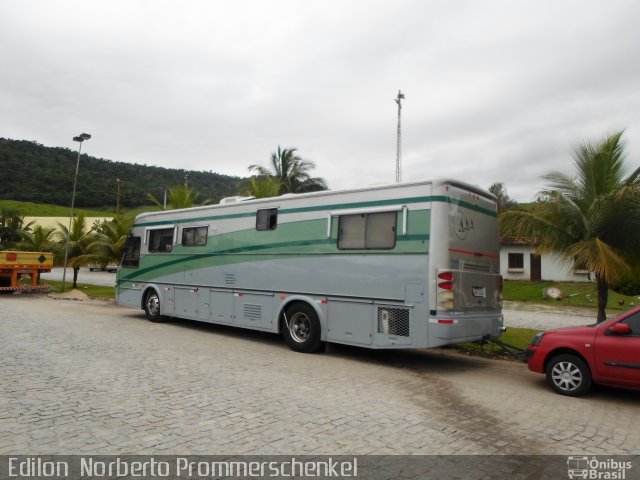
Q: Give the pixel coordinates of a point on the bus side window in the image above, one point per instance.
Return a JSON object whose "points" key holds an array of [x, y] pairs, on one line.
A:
{"points": [[267, 219], [367, 231], [194, 236], [161, 240], [131, 257]]}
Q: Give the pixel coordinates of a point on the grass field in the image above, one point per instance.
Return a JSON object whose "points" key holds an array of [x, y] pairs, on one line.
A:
{"points": [[93, 291], [575, 294], [29, 209], [514, 337]]}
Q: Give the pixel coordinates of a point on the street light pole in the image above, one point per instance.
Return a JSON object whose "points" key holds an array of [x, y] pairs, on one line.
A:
{"points": [[80, 138], [398, 100]]}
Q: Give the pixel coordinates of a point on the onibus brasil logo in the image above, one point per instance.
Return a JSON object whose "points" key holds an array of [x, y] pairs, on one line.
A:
{"points": [[596, 469]]}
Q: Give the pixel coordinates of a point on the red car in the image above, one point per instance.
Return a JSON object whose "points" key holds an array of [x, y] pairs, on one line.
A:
{"points": [[575, 357]]}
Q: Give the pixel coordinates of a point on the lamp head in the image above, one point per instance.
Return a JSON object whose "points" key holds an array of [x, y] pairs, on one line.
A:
{"points": [[82, 137]]}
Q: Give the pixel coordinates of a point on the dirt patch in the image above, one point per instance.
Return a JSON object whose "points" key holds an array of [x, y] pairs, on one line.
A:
{"points": [[70, 295]]}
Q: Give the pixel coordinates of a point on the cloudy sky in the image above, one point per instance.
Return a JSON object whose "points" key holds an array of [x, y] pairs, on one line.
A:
{"points": [[496, 90]]}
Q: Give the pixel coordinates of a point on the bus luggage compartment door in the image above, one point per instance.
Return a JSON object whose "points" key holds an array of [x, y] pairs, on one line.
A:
{"points": [[186, 302], [350, 321]]}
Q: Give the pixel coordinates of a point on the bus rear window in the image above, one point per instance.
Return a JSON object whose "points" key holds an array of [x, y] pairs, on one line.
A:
{"points": [[131, 257]]}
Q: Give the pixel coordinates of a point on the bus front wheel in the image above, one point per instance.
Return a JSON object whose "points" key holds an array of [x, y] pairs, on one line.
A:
{"points": [[152, 306], [302, 328]]}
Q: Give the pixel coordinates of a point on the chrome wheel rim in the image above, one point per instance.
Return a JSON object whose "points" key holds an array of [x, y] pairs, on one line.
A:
{"points": [[153, 305], [566, 376], [300, 327]]}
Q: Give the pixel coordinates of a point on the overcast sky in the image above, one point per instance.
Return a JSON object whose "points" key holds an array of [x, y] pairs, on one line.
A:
{"points": [[496, 91]]}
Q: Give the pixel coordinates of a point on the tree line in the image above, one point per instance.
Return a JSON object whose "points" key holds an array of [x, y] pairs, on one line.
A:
{"points": [[103, 242], [36, 173]]}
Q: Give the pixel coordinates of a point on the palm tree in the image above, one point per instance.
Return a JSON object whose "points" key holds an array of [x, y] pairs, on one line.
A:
{"points": [[259, 187], [504, 201], [180, 196], [11, 227], [107, 242], [79, 239], [39, 239], [592, 220], [290, 172]]}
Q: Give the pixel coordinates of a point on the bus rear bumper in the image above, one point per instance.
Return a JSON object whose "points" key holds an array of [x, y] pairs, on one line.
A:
{"points": [[452, 329]]}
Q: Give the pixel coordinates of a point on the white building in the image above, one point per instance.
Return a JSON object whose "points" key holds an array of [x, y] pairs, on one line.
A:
{"points": [[519, 261]]}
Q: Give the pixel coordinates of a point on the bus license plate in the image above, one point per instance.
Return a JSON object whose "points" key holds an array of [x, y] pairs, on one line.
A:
{"points": [[479, 292]]}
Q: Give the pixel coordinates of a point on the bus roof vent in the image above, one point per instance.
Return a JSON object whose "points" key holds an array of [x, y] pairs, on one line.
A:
{"points": [[235, 199]]}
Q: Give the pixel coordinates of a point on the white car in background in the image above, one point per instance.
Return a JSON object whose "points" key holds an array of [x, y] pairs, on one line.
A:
{"points": [[110, 267]]}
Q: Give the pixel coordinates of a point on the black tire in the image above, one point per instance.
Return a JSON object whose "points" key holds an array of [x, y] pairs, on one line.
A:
{"points": [[301, 328], [152, 306], [568, 375]]}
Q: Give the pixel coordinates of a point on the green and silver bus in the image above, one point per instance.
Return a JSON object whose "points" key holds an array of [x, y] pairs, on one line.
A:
{"points": [[407, 265]]}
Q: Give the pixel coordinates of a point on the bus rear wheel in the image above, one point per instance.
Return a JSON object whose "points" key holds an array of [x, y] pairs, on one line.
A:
{"points": [[302, 328], [152, 306]]}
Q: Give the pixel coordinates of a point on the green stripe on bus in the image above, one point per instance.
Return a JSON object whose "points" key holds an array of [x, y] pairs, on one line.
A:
{"points": [[264, 250], [344, 206]]}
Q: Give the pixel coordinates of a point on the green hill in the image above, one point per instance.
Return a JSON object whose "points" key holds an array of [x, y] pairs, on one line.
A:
{"points": [[34, 173]]}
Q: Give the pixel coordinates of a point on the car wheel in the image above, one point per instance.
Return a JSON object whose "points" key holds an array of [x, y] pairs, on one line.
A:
{"points": [[152, 306], [302, 328], [568, 375]]}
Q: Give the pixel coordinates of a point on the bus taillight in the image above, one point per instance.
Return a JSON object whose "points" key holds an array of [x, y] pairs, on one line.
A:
{"points": [[447, 276], [445, 290]]}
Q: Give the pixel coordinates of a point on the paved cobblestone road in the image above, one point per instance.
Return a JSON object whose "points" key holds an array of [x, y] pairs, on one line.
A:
{"points": [[92, 377]]}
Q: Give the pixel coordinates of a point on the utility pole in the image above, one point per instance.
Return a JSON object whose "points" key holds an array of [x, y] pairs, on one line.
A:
{"points": [[118, 198], [398, 100]]}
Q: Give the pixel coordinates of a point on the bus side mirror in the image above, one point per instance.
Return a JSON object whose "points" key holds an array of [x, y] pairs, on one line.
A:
{"points": [[620, 329]]}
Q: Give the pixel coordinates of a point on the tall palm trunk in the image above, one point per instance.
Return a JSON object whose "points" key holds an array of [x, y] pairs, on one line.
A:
{"points": [[603, 296]]}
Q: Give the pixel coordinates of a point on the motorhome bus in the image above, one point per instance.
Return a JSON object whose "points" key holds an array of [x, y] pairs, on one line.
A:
{"points": [[406, 265]]}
